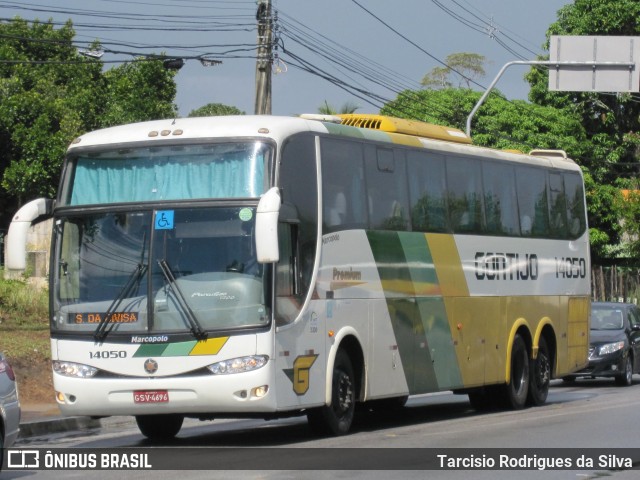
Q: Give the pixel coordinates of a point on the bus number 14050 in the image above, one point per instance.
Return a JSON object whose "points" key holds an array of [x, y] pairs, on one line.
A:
{"points": [[107, 354]]}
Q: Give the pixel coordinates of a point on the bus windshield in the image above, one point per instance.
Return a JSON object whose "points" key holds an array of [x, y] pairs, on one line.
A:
{"points": [[158, 271], [171, 172]]}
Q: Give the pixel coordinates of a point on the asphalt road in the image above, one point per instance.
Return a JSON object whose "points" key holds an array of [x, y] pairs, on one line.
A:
{"points": [[592, 419]]}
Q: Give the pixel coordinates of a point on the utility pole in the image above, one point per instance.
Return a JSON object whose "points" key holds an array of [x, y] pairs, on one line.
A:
{"points": [[263, 60]]}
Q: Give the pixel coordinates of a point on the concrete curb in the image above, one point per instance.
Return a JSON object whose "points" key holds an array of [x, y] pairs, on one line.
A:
{"points": [[57, 425]]}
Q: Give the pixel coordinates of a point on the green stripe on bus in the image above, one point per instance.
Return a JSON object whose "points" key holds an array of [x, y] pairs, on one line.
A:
{"points": [[421, 268], [431, 310], [179, 349], [397, 274], [151, 350], [421, 323], [440, 341], [412, 345], [210, 346]]}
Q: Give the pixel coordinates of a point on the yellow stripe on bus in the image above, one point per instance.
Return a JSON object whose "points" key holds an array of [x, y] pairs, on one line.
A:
{"points": [[448, 265], [211, 346]]}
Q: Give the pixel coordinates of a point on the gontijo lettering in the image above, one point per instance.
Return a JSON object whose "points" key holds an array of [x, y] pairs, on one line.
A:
{"points": [[506, 266]]}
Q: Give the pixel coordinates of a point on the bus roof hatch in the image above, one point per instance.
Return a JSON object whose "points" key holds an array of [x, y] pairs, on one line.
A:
{"points": [[406, 127]]}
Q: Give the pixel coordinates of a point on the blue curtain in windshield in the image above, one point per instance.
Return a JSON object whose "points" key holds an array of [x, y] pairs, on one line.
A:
{"points": [[139, 179]]}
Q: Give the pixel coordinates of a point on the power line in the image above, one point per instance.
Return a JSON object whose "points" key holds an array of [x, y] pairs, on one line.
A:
{"points": [[347, 63], [357, 75], [416, 45]]}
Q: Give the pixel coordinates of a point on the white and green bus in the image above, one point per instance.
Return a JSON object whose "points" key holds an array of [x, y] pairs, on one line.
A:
{"points": [[266, 266]]}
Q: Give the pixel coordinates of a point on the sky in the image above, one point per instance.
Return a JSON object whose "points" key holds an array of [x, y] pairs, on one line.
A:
{"points": [[362, 52]]}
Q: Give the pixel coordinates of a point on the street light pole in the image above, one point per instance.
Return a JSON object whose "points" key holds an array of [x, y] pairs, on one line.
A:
{"points": [[551, 63], [263, 60]]}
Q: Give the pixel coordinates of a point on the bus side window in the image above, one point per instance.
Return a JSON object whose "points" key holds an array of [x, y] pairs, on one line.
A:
{"points": [[386, 188], [336, 210], [531, 184], [343, 185], [465, 194], [558, 206], [574, 194], [499, 191], [427, 192]]}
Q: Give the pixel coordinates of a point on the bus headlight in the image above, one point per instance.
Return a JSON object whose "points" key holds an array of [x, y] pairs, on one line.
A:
{"points": [[239, 365], [611, 348], [71, 369]]}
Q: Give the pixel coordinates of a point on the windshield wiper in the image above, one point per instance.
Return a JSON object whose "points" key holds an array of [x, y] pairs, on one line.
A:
{"points": [[196, 328], [104, 327]]}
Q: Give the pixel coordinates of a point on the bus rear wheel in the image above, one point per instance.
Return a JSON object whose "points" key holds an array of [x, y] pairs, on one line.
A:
{"points": [[336, 419], [517, 390], [540, 375], [159, 427]]}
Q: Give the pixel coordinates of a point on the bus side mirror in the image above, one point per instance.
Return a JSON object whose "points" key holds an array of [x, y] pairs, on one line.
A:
{"points": [[16, 240], [267, 227]]}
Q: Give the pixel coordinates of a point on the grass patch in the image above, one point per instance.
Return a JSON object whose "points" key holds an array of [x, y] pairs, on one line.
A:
{"points": [[24, 324]]}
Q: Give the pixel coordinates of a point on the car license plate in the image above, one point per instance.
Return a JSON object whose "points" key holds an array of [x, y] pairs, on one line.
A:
{"points": [[150, 396]]}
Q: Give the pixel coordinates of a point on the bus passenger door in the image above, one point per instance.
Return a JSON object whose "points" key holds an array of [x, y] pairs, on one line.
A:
{"points": [[299, 343]]}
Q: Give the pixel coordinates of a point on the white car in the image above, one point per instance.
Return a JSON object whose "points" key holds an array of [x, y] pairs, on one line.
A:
{"points": [[9, 407]]}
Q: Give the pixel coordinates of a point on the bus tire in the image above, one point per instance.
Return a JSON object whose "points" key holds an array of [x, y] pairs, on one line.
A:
{"points": [[159, 427], [540, 375], [516, 391], [336, 418]]}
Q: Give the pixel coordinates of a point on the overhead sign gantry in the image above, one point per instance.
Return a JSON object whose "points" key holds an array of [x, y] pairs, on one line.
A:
{"points": [[584, 64]]}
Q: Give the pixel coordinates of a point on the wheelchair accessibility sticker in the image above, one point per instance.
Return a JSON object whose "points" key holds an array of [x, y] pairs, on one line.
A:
{"points": [[164, 220]]}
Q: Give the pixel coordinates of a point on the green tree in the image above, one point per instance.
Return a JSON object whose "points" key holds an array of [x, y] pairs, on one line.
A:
{"points": [[611, 121], [499, 123], [215, 109], [466, 66], [438, 77], [47, 92], [137, 91], [629, 207], [347, 107], [50, 94]]}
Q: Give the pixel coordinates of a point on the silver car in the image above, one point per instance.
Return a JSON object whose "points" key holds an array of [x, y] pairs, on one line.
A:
{"points": [[9, 407]]}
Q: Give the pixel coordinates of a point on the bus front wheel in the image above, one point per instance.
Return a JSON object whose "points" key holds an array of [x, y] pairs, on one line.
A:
{"points": [[159, 427], [516, 391], [336, 419]]}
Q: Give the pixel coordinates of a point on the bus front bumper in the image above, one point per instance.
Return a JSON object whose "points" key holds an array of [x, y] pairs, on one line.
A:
{"points": [[247, 392]]}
